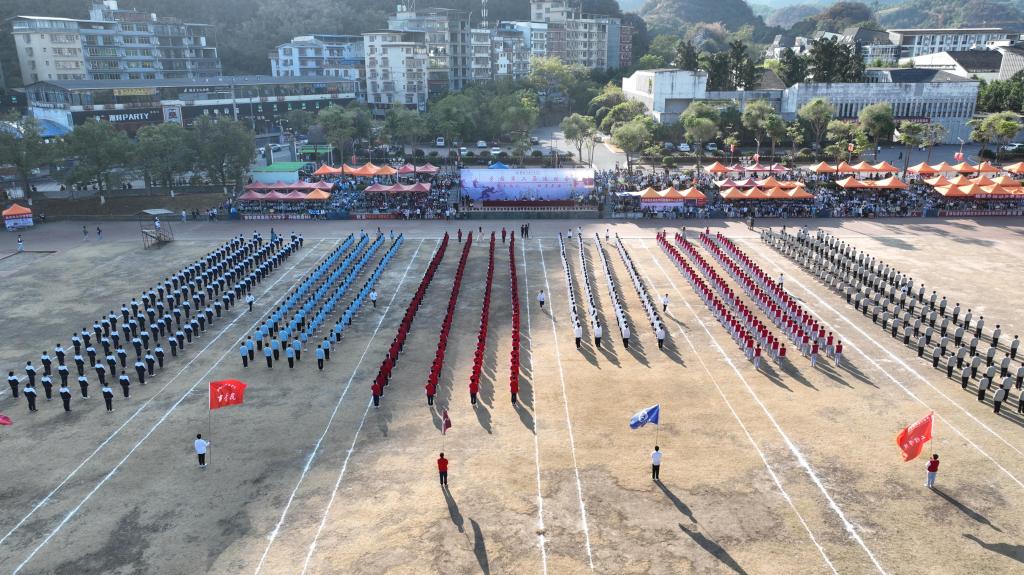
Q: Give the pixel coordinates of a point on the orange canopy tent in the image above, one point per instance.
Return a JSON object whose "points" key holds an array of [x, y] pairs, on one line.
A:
{"points": [[1000, 192], [960, 180], [951, 192], [717, 168], [650, 194], [885, 167], [938, 181], [823, 168], [844, 168], [1017, 168], [692, 193], [1006, 182], [851, 183], [863, 166], [365, 170], [407, 169], [326, 170], [769, 182], [987, 168], [922, 169], [790, 184], [971, 190], [16, 210], [318, 195], [777, 194], [983, 181], [670, 193], [890, 183], [386, 171], [730, 194], [943, 168], [726, 183], [800, 194], [965, 168]]}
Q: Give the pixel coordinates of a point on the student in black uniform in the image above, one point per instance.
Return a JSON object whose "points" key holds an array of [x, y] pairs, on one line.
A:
{"points": [[13, 381], [30, 396], [65, 396], [108, 397], [83, 385]]}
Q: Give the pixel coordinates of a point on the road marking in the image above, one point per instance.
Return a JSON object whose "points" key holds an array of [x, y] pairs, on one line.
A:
{"points": [[898, 360], [847, 525], [565, 403], [316, 448], [106, 477]]}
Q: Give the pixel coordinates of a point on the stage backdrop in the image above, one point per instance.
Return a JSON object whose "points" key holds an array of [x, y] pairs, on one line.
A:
{"points": [[527, 184]]}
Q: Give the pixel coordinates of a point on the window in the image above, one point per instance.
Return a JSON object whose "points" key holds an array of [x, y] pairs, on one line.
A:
{"points": [[28, 52]]}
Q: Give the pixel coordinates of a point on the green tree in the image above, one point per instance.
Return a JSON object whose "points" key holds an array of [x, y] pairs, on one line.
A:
{"points": [[555, 78], [877, 122], [841, 134], [22, 147], [933, 134], [686, 55], [404, 126], [998, 129], [162, 153], [911, 134], [650, 62], [342, 126], [792, 67], [700, 131], [97, 148], [816, 114], [742, 72], [621, 114], [224, 149], [577, 130], [719, 69], [795, 133], [664, 46], [632, 137], [610, 96], [299, 120], [775, 129], [834, 61], [520, 116], [756, 118]]}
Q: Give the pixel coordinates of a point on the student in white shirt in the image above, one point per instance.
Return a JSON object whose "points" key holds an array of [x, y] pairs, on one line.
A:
{"points": [[201, 446], [541, 298], [577, 332], [664, 303], [656, 463], [249, 299], [373, 297]]}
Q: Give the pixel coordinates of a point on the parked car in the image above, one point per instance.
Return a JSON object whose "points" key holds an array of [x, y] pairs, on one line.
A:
{"points": [[711, 147], [668, 146], [598, 138], [534, 140], [495, 150], [463, 150], [1013, 147], [481, 144], [439, 141], [683, 147]]}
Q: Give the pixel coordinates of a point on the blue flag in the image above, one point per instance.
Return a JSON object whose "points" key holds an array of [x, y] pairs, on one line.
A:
{"points": [[642, 418]]}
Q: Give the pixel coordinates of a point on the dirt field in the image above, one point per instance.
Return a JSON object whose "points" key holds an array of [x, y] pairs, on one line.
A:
{"points": [[787, 470]]}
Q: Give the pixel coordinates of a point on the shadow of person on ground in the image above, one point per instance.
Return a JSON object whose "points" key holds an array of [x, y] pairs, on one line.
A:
{"points": [[682, 507], [714, 549], [965, 509], [1015, 552], [479, 548], [453, 509]]}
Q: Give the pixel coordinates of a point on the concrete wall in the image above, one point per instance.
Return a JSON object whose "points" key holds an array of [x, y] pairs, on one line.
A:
{"points": [[666, 93]]}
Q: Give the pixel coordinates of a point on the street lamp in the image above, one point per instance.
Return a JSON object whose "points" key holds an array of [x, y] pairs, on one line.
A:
{"points": [[960, 154]]}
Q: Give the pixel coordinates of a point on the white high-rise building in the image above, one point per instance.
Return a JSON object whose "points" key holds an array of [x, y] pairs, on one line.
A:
{"points": [[396, 70]]}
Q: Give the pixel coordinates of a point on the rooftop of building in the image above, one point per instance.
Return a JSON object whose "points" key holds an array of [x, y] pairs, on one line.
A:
{"points": [[866, 35], [72, 85], [945, 30], [978, 60], [917, 75]]}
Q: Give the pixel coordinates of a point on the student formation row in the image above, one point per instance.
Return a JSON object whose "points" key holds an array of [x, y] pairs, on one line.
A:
{"points": [[907, 314], [176, 310]]}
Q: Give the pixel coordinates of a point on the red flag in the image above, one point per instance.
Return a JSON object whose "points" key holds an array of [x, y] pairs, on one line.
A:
{"points": [[4, 420], [959, 156], [850, 146], [226, 392], [757, 158], [912, 439], [446, 422]]}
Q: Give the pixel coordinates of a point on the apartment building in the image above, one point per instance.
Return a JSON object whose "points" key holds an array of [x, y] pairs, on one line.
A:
{"points": [[113, 44], [913, 42], [397, 68], [447, 38]]}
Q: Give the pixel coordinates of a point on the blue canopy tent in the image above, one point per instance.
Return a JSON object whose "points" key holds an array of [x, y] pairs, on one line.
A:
{"points": [[498, 166]]}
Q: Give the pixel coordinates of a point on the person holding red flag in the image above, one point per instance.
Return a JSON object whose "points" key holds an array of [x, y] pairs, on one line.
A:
{"points": [[912, 439], [933, 469]]}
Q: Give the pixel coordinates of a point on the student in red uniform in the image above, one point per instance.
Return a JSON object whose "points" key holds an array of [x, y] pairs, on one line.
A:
{"points": [[442, 470], [782, 352], [514, 387], [839, 354], [814, 354], [933, 469]]}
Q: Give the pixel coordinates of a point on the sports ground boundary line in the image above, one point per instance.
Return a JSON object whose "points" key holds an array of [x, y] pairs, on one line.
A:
{"points": [[541, 530], [895, 380], [794, 450], [163, 418], [272, 537], [565, 403], [71, 475]]}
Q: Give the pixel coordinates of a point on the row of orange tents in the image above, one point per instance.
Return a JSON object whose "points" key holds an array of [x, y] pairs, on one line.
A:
{"points": [[734, 194], [890, 183], [368, 169], [769, 182], [981, 187], [300, 185], [671, 194], [845, 168], [293, 196], [924, 169]]}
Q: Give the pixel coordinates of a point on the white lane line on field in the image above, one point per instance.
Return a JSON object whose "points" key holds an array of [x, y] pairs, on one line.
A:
{"points": [[163, 418], [847, 525], [898, 360], [272, 537], [536, 441], [565, 403], [103, 443]]}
